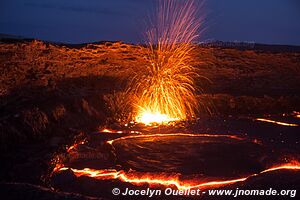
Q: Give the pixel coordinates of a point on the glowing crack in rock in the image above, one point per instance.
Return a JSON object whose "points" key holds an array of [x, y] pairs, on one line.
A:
{"points": [[174, 134], [138, 179], [275, 122], [167, 179], [293, 165]]}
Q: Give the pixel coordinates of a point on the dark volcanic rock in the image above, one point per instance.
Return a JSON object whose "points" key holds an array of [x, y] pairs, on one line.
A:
{"points": [[15, 191]]}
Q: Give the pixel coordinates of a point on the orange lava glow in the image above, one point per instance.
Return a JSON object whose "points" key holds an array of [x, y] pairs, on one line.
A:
{"points": [[137, 179], [110, 131], [119, 132], [106, 130], [174, 134], [275, 122], [148, 118], [296, 114], [293, 165]]}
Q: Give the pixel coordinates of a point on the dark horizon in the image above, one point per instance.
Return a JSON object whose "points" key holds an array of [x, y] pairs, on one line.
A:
{"points": [[268, 22]]}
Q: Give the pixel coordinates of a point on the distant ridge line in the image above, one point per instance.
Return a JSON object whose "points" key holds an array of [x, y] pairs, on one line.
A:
{"points": [[240, 45]]}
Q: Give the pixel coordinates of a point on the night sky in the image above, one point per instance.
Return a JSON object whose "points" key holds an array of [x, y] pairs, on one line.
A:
{"points": [[78, 21]]}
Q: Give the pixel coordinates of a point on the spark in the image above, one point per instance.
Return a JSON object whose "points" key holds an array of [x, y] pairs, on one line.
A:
{"points": [[275, 122], [167, 181], [165, 89]]}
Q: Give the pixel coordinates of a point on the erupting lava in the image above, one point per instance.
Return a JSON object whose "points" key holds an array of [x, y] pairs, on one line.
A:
{"points": [[165, 89], [150, 118], [138, 179]]}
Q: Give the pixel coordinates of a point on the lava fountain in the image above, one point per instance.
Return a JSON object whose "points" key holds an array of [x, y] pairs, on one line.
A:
{"points": [[165, 90]]}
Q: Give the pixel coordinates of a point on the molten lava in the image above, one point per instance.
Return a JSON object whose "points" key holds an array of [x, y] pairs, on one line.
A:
{"points": [[173, 134], [154, 118], [165, 89], [168, 179], [296, 114], [275, 122], [138, 179], [107, 130]]}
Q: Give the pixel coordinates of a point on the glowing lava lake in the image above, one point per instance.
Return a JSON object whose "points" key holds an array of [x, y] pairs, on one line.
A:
{"points": [[181, 157]]}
